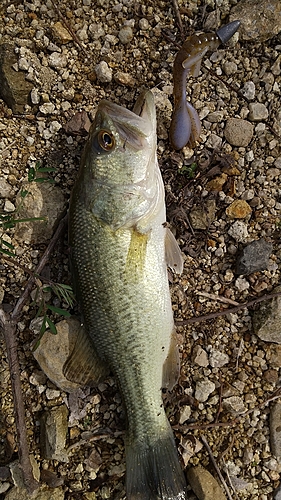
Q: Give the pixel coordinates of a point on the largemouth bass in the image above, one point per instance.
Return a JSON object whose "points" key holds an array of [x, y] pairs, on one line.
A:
{"points": [[120, 249]]}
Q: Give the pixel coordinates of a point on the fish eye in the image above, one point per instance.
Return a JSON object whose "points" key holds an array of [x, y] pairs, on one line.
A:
{"points": [[104, 141]]}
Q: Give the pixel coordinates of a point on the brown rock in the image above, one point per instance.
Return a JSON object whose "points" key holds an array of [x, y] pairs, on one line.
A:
{"points": [[275, 429], [217, 183], [271, 376], [42, 200], [53, 431], [259, 20], [124, 79], [53, 351], [14, 88], [202, 217], [274, 356], [239, 209], [79, 124], [238, 132], [60, 33], [204, 484]]}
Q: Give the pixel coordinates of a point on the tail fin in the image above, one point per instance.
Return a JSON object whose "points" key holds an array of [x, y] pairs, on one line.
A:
{"points": [[154, 471]]}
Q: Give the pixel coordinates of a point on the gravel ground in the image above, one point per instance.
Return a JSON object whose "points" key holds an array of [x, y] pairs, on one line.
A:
{"points": [[221, 196]]}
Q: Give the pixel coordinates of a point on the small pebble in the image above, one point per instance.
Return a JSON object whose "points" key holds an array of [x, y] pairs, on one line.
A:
{"points": [[239, 231], [257, 112], [234, 405], [203, 390], [125, 35], [9, 206], [248, 90], [239, 209], [103, 72], [57, 60], [199, 356], [47, 108], [218, 358], [238, 132]]}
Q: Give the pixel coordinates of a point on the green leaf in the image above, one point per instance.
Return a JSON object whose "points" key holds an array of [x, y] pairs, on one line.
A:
{"points": [[31, 174], [36, 345], [41, 179], [46, 169], [30, 219], [8, 225], [52, 326], [9, 245], [58, 310], [7, 252], [41, 306], [43, 326], [24, 193]]}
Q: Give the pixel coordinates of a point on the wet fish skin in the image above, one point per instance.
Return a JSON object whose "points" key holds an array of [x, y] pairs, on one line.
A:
{"points": [[117, 245]]}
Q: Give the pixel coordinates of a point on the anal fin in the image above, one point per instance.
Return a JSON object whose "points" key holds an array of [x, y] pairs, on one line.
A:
{"points": [[173, 253], [84, 366]]}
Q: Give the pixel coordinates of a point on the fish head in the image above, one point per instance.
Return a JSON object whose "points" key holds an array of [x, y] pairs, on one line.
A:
{"points": [[119, 165]]}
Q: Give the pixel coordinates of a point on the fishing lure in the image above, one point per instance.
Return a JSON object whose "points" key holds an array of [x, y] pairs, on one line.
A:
{"points": [[185, 126]]}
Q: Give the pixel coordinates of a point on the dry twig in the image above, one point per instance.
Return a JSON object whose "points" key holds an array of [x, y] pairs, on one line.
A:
{"points": [[229, 480], [205, 442], [232, 310], [178, 16], [69, 29], [8, 323]]}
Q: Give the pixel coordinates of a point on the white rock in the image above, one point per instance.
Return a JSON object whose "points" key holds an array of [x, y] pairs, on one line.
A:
{"points": [[5, 189], [184, 414], [35, 97], [9, 206], [23, 64], [242, 284], [57, 60], [239, 231], [55, 126], [257, 112], [125, 35], [52, 394], [234, 405], [203, 389], [248, 90], [103, 72], [47, 108], [199, 356], [218, 358], [144, 24]]}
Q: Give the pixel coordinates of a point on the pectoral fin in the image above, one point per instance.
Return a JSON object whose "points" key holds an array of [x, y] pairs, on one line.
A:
{"points": [[171, 367], [173, 253], [136, 256], [84, 366]]}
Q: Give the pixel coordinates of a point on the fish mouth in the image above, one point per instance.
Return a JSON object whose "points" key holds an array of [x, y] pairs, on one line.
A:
{"points": [[133, 127]]}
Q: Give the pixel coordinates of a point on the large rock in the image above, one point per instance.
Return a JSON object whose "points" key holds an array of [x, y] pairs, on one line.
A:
{"points": [[275, 430], [14, 88], [204, 484], [53, 351], [42, 200], [42, 493], [260, 20], [53, 432], [254, 257], [267, 320]]}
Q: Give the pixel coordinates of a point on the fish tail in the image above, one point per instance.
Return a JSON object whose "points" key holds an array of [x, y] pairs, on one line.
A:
{"points": [[154, 471]]}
